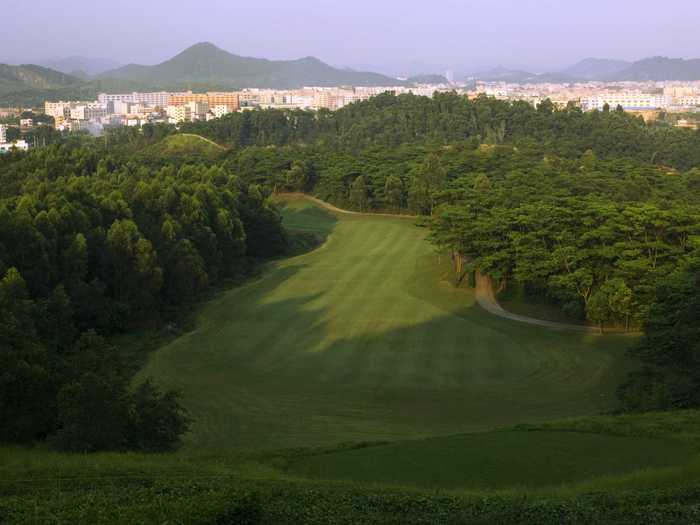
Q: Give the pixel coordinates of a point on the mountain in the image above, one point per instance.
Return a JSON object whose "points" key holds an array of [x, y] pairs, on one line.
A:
{"points": [[515, 76], [659, 68], [205, 63], [596, 68], [85, 65], [29, 76], [427, 79], [502, 74]]}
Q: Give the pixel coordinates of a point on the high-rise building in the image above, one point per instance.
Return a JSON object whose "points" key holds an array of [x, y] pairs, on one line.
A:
{"points": [[450, 76], [3, 133]]}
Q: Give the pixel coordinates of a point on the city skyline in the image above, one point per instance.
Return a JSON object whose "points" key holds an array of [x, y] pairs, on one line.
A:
{"points": [[391, 37]]}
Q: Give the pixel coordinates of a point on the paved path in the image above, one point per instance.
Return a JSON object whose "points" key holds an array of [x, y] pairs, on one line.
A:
{"points": [[487, 300]]}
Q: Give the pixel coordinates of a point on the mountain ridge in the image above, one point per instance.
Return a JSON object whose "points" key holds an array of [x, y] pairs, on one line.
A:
{"points": [[206, 63]]}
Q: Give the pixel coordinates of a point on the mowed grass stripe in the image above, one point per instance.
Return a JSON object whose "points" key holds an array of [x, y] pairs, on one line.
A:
{"points": [[361, 340]]}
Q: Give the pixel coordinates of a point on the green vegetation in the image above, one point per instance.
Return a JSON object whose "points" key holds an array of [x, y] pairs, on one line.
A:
{"points": [[494, 460], [345, 383], [363, 340], [186, 147], [235, 487], [95, 244], [386, 122], [670, 378], [204, 63]]}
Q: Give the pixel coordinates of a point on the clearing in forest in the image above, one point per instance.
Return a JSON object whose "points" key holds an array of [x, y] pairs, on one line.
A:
{"points": [[362, 339]]}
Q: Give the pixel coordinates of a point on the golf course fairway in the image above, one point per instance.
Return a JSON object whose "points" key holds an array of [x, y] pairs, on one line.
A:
{"points": [[363, 339]]}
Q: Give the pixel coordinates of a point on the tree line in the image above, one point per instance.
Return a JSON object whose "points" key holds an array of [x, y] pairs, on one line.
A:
{"points": [[95, 242], [447, 118]]}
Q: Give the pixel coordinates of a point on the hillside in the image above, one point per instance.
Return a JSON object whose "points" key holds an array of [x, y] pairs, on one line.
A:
{"points": [[427, 79], [595, 68], [185, 146], [207, 64], [86, 65], [660, 68], [34, 77]]}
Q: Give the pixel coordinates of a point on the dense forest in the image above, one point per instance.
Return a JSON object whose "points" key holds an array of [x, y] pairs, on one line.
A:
{"points": [[447, 118], [93, 243], [598, 213]]}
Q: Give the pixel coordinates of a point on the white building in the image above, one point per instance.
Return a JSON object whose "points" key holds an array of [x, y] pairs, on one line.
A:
{"points": [[221, 110], [177, 114], [21, 145], [159, 99], [89, 111], [627, 100], [3, 133]]}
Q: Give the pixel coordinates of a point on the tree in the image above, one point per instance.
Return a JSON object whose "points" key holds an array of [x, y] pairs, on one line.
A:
{"points": [[670, 349], [393, 192], [426, 179], [92, 415], [296, 178], [157, 421], [358, 193]]}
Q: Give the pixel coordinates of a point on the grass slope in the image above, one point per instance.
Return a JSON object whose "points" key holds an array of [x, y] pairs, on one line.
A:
{"points": [[494, 460], [197, 486], [360, 340], [186, 145]]}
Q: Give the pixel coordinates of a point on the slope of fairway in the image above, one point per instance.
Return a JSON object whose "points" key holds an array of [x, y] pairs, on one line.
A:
{"points": [[494, 460], [362, 340]]}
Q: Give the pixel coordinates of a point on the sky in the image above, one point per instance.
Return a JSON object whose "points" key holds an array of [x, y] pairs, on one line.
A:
{"points": [[390, 36]]}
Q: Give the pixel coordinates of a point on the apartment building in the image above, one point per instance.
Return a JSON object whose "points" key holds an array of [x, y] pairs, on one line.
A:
{"points": [[212, 99], [90, 111], [228, 98], [222, 109], [158, 99], [177, 114], [3, 133], [629, 100], [57, 109]]}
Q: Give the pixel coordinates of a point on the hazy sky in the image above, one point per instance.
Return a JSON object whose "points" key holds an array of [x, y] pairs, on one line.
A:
{"points": [[391, 34]]}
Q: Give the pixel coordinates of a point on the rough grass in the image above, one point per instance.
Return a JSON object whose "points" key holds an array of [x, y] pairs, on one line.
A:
{"points": [[494, 460], [360, 340], [611, 474]]}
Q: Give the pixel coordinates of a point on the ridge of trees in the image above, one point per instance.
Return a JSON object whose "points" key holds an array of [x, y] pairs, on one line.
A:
{"points": [[95, 242]]}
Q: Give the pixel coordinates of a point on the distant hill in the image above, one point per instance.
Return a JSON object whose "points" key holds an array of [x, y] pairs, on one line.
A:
{"points": [[596, 68], [84, 65], [186, 146], [502, 74], [205, 63], [659, 68], [593, 69], [427, 79], [34, 77]]}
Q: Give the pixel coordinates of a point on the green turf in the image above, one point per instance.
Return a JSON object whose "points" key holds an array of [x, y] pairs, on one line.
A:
{"points": [[187, 145], [494, 460], [362, 340]]}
